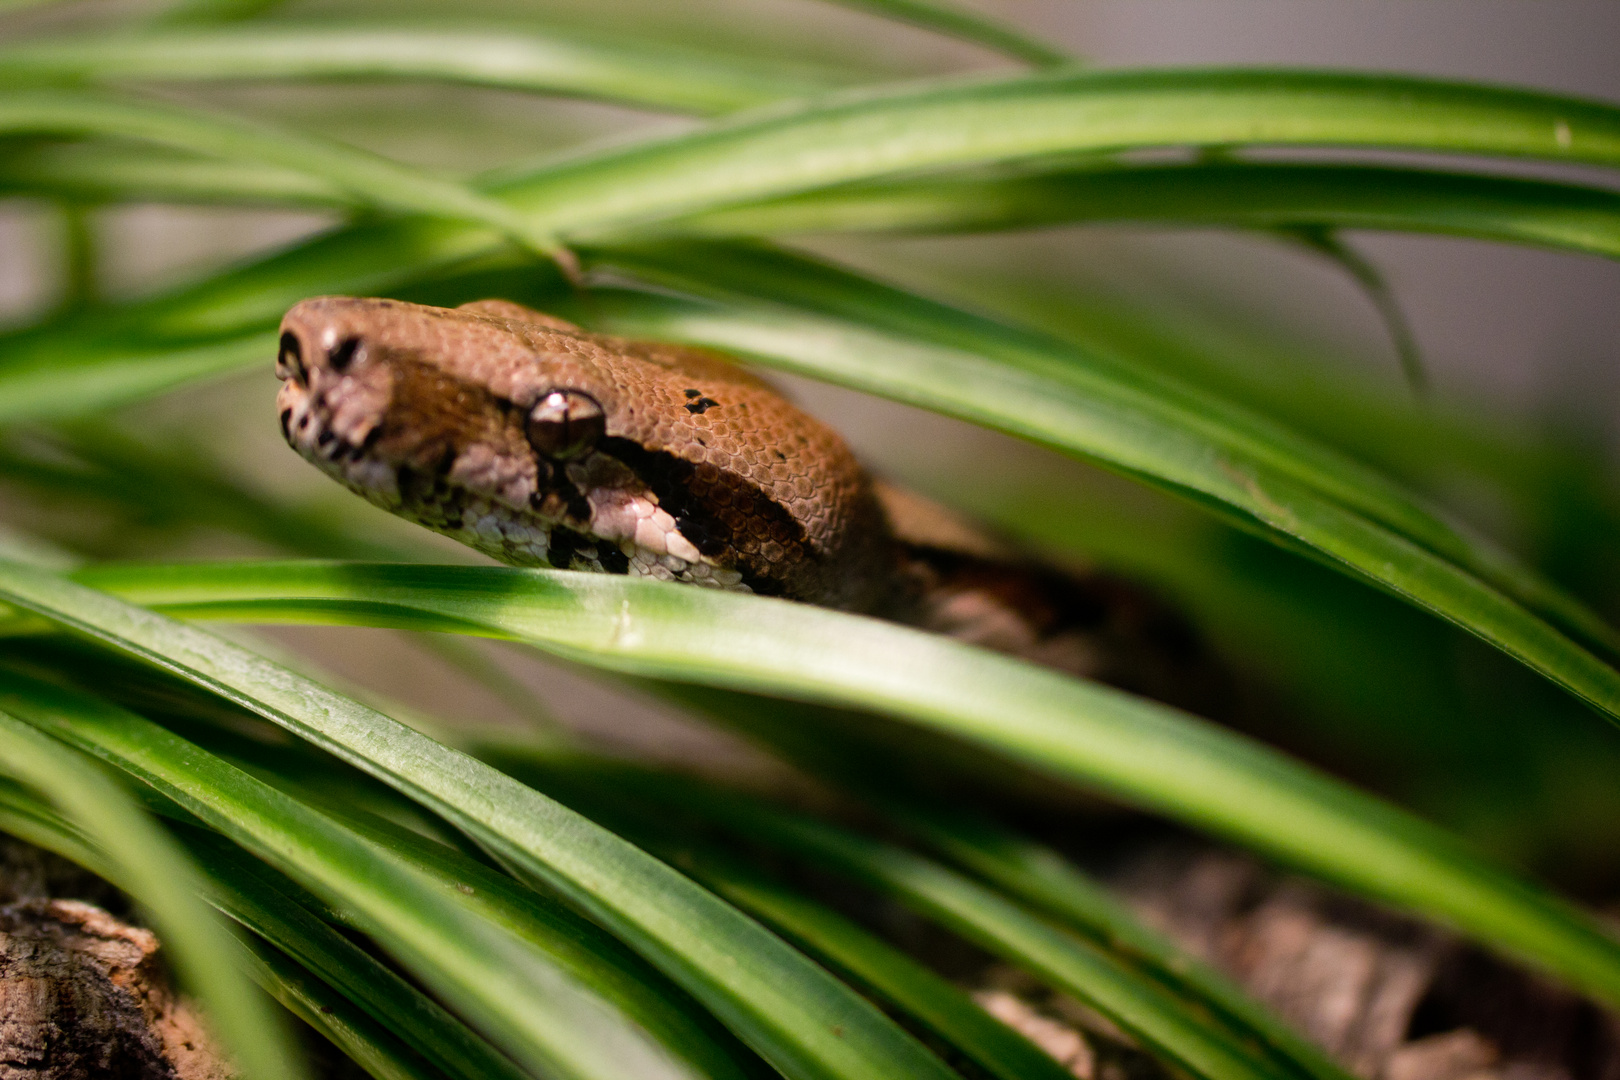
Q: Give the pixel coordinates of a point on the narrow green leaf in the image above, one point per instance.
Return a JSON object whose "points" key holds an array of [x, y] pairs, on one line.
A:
{"points": [[1041, 877], [380, 182], [888, 972], [1143, 753], [163, 880], [580, 947], [653, 75], [865, 135], [1224, 194], [965, 25], [368, 1044], [868, 135], [1139, 1006], [116, 172], [1168, 444], [790, 1011], [42, 387], [1021, 868], [241, 889], [1369, 279], [378, 1051], [646, 801], [511, 990], [175, 487]]}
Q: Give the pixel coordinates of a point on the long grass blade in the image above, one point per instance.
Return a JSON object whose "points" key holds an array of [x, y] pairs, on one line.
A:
{"points": [[382, 183], [965, 25], [1240, 469], [512, 990], [651, 75], [1221, 195], [866, 135], [788, 1010], [886, 971], [1143, 753], [1020, 868]]}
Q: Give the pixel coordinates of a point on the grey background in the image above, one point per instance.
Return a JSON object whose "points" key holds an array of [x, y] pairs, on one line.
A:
{"points": [[1529, 326]]}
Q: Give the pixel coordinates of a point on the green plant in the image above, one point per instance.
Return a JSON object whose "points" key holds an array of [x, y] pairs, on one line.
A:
{"points": [[586, 956]]}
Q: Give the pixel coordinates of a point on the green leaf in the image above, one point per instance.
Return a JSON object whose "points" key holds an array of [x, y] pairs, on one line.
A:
{"points": [[1224, 194], [243, 890], [653, 75], [316, 1003], [380, 182], [368, 1044], [647, 801], [160, 876], [885, 970], [116, 172], [509, 988], [1141, 1007], [788, 1010], [579, 946], [1039, 876], [1259, 475], [965, 25], [45, 387], [869, 134], [1142, 753], [819, 741]]}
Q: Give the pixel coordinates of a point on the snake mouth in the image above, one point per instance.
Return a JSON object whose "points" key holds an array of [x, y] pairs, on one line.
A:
{"points": [[552, 519]]}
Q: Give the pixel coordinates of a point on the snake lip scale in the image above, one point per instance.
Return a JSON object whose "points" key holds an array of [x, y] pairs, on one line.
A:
{"points": [[539, 444]]}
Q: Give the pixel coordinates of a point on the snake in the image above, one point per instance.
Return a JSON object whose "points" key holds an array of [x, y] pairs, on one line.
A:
{"points": [[541, 444]]}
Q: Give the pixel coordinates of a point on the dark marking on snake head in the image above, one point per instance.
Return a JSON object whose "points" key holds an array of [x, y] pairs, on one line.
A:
{"points": [[701, 405], [692, 393], [286, 421]]}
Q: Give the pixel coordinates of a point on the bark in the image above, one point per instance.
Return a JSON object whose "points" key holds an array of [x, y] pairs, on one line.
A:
{"points": [[83, 993]]}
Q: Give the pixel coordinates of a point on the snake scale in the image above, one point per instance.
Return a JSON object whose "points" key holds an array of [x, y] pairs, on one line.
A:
{"points": [[541, 444]]}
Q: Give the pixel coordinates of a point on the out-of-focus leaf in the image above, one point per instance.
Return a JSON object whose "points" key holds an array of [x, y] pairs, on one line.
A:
{"points": [[1224, 194], [966, 25], [380, 182], [620, 69]]}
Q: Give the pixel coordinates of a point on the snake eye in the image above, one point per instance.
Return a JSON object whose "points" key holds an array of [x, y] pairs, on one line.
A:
{"points": [[343, 354], [565, 423], [290, 360]]}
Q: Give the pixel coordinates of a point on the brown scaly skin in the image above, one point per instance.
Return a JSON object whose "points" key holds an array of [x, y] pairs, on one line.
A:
{"points": [[541, 444]]}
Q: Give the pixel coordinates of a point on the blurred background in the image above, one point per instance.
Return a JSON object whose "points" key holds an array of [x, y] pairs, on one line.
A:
{"points": [[1517, 436]]}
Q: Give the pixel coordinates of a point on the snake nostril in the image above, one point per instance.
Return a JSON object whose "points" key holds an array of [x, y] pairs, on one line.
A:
{"points": [[290, 359]]}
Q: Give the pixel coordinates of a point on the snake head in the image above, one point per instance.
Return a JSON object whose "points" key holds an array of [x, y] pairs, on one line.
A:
{"points": [[367, 397], [537, 442]]}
